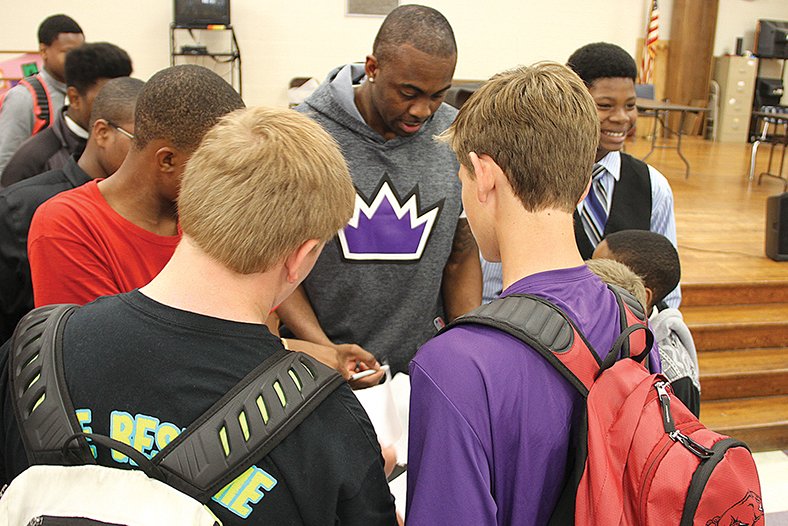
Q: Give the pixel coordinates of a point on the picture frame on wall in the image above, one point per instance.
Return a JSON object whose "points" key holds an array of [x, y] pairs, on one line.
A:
{"points": [[370, 7]]}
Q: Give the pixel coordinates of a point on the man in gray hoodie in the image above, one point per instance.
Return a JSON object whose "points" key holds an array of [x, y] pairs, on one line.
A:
{"points": [[406, 262]]}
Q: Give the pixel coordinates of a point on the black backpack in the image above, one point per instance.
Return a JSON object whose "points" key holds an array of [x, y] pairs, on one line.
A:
{"points": [[209, 454]]}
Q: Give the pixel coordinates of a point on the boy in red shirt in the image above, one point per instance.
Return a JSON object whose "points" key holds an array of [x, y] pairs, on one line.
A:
{"points": [[114, 235]]}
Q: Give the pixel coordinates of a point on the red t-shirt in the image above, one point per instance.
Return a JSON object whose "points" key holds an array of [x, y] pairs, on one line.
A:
{"points": [[80, 248]]}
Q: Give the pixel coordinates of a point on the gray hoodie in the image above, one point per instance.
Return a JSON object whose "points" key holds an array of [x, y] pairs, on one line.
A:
{"points": [[378, 282]]}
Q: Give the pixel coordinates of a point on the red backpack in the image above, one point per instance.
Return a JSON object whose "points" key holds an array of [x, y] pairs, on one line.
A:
{"points": [[42, 102], [638, 455]]}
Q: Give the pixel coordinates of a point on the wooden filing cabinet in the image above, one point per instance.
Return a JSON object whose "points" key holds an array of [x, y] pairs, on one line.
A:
{"points": [[736, 78]]}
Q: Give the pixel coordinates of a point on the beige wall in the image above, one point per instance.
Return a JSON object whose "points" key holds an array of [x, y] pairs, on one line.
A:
{"points": [[281, 39], [738, 18]]}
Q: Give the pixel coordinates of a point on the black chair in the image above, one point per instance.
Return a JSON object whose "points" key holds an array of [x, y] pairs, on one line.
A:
{"points": [[774, 132]]}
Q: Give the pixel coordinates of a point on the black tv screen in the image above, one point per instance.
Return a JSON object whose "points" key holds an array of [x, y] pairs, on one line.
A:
{"points": [[201, 13], [771, 39]]}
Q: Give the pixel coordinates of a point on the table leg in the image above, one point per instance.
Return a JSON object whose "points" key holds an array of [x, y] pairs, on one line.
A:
{"points": [[653, 136], [678, 143]]}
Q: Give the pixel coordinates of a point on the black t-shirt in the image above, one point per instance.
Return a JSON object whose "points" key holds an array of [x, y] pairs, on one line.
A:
{"points": [[140, 372]]}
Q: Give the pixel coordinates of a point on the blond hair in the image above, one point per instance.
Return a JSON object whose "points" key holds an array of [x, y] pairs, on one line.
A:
{"points": [[540, 125], [615, 273], [262, 182]]}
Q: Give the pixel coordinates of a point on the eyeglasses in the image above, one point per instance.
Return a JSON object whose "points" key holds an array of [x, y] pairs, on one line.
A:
{"points": [[121, 130]]}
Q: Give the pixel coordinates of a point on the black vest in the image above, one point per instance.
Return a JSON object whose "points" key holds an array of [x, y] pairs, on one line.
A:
{"points": [[631, 206]]}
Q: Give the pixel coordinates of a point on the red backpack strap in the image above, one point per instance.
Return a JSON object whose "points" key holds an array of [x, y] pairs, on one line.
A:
{"points": [[632, 314], [42, 102], [550, 332], [546, 329]]}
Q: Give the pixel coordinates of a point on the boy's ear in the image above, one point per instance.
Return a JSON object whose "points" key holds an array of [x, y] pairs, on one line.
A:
{"points": [[100, 132], [74, 98], [649, 299], [165, 159], [485, 170], [300, 261]]}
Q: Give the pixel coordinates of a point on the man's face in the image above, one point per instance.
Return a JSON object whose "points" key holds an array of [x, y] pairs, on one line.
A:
{"points": [[54, 55], [81, 104], [615, 105], [408, 87]]}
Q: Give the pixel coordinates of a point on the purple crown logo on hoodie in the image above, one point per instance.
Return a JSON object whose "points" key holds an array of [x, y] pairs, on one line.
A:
{"points": [[387, 229]]}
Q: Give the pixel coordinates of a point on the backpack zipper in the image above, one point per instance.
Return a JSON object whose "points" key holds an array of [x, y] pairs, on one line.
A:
{"points": [[659, 452]]}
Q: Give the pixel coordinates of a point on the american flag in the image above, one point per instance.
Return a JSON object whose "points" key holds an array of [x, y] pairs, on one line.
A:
{"points": [[650, 46]]}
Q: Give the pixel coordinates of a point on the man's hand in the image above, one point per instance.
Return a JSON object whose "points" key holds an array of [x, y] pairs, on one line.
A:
{"points": [[347, 359], [353, 359]]}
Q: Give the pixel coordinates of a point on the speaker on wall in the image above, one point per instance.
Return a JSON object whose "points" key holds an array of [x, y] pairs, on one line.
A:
{"points": [[777, 227]]}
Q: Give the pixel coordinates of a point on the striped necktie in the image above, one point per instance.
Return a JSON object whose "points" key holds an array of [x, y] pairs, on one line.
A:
{"points": [[594, 209]]}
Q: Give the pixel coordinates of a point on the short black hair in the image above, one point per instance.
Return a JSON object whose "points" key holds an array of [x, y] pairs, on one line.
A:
{"points": [[116, 101], [602, 60], [180, 104], [651, 256], [422, 27], [88, 63], [52, 26]]}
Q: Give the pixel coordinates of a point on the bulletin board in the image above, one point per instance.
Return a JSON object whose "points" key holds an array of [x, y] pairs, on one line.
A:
{"points": [[370, 7]]}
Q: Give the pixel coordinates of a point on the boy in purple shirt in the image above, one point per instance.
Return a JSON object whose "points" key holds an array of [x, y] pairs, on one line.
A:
{"points": [[490, 419]]}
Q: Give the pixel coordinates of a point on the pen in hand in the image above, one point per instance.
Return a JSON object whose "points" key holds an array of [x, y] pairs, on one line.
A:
{"points": [[368, 372]]}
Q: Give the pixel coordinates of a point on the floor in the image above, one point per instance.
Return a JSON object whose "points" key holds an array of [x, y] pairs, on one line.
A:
{"points": [[773, 471], [720, 223], [720, 215]]}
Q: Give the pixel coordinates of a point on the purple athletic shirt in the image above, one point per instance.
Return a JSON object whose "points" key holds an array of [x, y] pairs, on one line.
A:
{"points": [[490, 418]]}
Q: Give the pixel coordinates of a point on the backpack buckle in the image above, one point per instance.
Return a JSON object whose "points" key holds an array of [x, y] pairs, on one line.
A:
{"points": [[696, 449], [693, 447], [664, 403]]}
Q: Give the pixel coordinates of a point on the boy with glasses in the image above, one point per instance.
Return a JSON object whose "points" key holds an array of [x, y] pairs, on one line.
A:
{"points": [[106, 148]]}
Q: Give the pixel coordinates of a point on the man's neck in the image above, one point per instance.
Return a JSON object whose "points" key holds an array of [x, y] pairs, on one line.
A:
{"points": [[75, 127], [132, 192], [48, 76], [227, 295], [362, 97], [89, 162], [541, 241], [600, 154]]}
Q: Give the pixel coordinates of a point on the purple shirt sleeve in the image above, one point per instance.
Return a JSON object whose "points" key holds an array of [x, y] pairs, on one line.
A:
{"points": [[654, 360], [448, 474]]}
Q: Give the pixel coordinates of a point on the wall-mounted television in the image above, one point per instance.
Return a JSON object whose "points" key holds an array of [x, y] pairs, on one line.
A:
{"points": [[771, 39], [202, 13]]}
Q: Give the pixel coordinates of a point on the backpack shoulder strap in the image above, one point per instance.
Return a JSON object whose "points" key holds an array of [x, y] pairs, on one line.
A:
{"points": [[42, 405], [42, 103], [242, 426], [549, 331], [545, 328], [246, 423], [632, 314]]}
